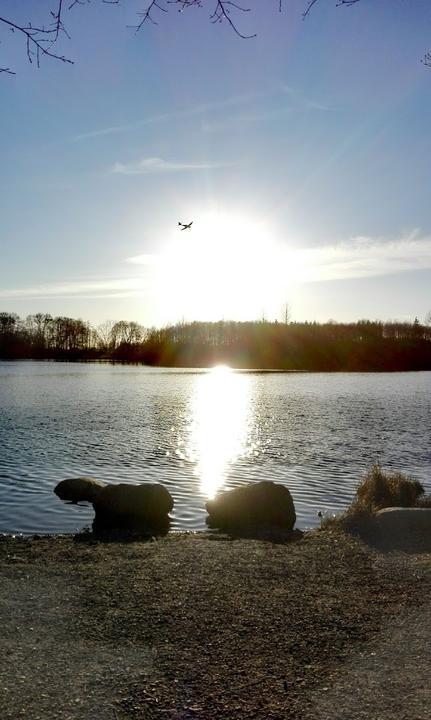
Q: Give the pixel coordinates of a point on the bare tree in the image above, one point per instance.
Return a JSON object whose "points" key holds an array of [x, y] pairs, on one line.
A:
{"points": [[285, 313], [127, 332], [104, 335], [42, 36]]}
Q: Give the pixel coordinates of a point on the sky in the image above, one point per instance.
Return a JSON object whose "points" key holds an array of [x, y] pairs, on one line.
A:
{"points": [[302, 156]]}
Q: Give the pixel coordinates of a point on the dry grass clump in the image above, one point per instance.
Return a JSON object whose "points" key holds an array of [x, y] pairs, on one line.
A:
{"points": [[379, 489]]}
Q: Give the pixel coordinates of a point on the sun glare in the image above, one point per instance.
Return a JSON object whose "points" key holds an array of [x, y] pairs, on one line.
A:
{"points": [[223, 267], [221, 417], [221, 369]]}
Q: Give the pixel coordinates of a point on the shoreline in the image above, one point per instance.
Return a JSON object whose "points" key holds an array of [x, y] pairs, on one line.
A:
{"points": [[212, 627], [206, 368]]}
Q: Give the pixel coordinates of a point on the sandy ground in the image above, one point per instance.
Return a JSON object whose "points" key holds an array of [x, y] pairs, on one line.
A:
{"points": [[204, 626]]}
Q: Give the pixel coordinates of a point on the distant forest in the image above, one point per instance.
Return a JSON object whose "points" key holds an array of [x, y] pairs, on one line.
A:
{"points": [[361, 346]]}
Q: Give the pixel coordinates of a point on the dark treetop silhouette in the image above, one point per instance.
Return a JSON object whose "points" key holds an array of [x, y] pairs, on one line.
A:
{"points": [[361, 346], [42, 34]]}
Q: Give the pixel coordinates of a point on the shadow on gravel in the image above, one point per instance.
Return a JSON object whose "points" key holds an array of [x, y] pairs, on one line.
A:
{"points": [[272, 535], [409, 544], [394, 535], [269, 534], [89, 537]]}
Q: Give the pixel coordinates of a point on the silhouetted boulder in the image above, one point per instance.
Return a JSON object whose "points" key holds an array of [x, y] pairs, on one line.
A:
{"points": [[132, 507], [82, 489], [135, 508], [261, 504], [399, 527]]}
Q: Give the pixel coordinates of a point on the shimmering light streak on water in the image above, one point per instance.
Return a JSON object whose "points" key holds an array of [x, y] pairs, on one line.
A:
{"points": [[219, 428]]}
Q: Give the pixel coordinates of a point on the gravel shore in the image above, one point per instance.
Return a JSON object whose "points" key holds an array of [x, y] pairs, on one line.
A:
{"points": [[206, 626]]}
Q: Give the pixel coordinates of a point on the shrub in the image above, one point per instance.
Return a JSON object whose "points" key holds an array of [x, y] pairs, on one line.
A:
{"points": [[354, 521], [379, 489]]}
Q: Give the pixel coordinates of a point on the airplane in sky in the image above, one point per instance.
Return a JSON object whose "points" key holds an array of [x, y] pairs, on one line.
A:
{"points": [[185, 226]]}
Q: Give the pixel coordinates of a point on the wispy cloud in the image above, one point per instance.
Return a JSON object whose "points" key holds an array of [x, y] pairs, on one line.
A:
{"points": [[147, 166], [357, 258], [146, 259], [297, 101], [127, 127], [286, 100], [185, 113], [108, 287], [300, 101], [241, 121], [364, 257], [104, 131]]}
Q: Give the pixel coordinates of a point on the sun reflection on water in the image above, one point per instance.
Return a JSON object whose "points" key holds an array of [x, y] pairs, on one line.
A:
{"points": [[220, 424]]}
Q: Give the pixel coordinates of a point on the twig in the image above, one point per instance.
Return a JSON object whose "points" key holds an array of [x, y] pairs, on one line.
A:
{"points": [[34, 41], [221, 13]]}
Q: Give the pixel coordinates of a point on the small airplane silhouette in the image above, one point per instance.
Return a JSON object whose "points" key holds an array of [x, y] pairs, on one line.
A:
{"points": [[185, 226]]}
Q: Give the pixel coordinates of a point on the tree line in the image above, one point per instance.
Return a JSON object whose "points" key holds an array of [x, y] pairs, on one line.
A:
{"points": [[42, 336], [361, 346]]}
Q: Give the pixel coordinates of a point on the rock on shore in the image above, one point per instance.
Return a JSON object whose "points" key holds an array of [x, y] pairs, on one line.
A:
{"points": [[122, 506], [399, 526], [254, 505], [81, 489]]}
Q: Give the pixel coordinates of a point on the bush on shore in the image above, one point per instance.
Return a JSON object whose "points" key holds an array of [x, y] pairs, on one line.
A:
{"points": [[378, 489]]}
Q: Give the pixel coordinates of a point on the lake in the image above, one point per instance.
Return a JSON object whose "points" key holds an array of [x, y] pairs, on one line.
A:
{"points": [[197, 431]]}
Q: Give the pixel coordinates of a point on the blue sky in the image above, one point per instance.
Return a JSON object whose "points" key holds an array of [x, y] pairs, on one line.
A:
{"points": [[302, 155]]}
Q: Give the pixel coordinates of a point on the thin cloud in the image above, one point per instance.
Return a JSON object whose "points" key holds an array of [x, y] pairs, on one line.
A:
{"points": [[154, 119], [104, 131], [114, 129], [147, 166], [146, 259], [301, 101], [240, 121], [79, 288], [360, 257], [297, 103], [364, 257], [211, 107]]}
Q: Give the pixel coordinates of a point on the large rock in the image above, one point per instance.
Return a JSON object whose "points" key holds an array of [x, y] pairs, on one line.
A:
{"points": [[398, 527], [82, 489], [261, 504], [139, 508], [132, 507]]}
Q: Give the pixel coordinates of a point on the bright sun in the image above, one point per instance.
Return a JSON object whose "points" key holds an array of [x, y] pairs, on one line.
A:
{"points": [[223, 267]]}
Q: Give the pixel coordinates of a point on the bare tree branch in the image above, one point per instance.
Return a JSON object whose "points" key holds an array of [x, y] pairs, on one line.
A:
{"points": [[146, 15], [222, 12], [41, 40]]}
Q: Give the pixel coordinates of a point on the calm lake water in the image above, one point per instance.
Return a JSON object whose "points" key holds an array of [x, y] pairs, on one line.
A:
{"points": [[198, 431]]}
